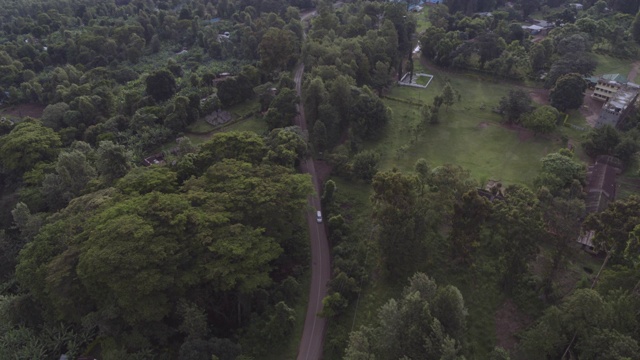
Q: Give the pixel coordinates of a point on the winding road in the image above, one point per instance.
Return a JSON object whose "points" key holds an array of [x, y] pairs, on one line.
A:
{"points": [[312, 340]]}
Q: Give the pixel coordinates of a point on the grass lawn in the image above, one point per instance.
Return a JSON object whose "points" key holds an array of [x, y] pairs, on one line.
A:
{"points": [[422, 80], [422, 20], [610, 65], [254, 124], [200, 127], [576, 133], [469, 133]]}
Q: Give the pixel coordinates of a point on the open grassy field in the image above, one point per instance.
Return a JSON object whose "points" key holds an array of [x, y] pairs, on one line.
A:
{"points": [[469, 133], [422, 21], [610, 65], [254, 124]]}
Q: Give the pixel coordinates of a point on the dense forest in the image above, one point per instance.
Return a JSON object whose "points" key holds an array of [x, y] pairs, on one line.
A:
{"points": [[205, 256]]}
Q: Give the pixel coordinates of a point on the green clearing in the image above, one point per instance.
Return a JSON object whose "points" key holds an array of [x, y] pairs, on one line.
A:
{"points": [[200, 127], [422, 80], [611, 65], [254, 124], [422, 21], [469, 133]]}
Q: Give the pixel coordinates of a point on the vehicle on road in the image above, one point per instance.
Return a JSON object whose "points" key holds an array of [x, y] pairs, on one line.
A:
{"points": [[319, 216]]}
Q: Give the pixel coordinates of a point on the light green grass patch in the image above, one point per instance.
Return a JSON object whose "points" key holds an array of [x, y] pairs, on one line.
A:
{"points": [[200, 127], [259, 126], [610, 65], [422, 20], [469, 133], [245, 108]]}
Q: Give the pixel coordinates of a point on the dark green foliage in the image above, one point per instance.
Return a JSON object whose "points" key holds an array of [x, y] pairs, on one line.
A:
{"points": [[568, 92], [580, 64], [468, 217], [585, 314], [234, 90], [613, 227], [112, 161], [542, 120], [419, 325], [369, 116], [282, 109], [401, 229], [514, 105], [516, 228], [559, 171], [177, 232], [286, 146], [365, 165], [277, 49], [27, 144], [143, 180], [607, 140], [161, 85]]}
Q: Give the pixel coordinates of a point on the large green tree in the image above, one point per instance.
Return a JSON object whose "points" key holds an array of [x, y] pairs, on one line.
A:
{"points": [[542, 120], [426, 322], [278, 49], [514, 105], [560, 171], [401, 233], [161, 85], [568, 92], [28, 143], [613, 226]]}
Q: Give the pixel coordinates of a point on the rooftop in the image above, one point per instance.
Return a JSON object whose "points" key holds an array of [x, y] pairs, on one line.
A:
{"points": [[614, 77], [621, 99], [601, 188]]}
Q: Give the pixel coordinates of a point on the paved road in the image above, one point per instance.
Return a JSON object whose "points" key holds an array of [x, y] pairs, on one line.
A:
{"points": [[314, 326]]}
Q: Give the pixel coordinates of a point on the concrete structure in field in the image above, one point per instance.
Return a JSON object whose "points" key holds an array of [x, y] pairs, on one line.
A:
{"points": [[619, 105]]}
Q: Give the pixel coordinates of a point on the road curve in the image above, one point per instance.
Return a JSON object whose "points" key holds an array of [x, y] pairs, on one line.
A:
{"points": [[312, 339]]}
